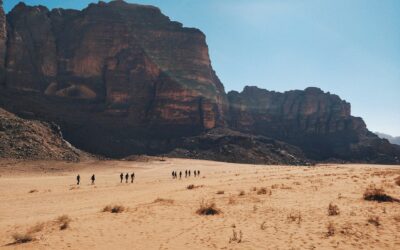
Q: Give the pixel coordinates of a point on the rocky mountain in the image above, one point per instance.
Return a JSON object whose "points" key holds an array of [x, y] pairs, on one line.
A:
{"points": [[122, 79], [391, 139], [319, 123], [23, 139]]}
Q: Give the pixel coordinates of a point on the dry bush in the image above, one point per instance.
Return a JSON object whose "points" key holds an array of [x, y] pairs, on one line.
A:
{"points": [[253, 189], [262, 226], [294, 217], [372, 193], [221, 192], [33, 191], [241, 193], [264, 191], [275, 186], [333, 209], [64, 221], [191, 186], [235, 237], [374, 220], [22, 238], [208, 208], [330, 229], [161, 200], [114, 209]]}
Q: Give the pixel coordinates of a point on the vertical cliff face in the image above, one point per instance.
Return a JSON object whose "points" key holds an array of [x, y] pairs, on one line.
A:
{"points": [[128, 65], [319, 123], [3, 39]]}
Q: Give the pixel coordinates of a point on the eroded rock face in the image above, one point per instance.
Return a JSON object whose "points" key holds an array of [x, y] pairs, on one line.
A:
{"points": [[320, 123], [3, 40], [128, 65]]}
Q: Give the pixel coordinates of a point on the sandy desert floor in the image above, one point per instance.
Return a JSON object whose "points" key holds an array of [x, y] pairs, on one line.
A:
{"points": [[160, 213]]}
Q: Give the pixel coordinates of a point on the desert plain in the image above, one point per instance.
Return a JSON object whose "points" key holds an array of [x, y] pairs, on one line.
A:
{"points": [[258, 207]]}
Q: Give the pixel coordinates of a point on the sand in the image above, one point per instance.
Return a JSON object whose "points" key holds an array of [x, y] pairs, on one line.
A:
{"points": [[291, 214]]}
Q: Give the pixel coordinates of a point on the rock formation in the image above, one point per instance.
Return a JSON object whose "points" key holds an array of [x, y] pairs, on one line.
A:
{"points": [[23, 139], [3, 40], [122, 79], [319, 123]]}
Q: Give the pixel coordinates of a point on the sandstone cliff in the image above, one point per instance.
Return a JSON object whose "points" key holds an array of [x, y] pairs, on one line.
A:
{"points": [[122, 79], [320, 123], [123, 67], [3, 40]]}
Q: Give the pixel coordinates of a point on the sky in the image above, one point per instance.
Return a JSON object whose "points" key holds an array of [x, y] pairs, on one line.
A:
{"points": [[347, 47]]}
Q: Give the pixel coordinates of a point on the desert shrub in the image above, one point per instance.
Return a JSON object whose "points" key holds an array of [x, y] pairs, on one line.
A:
{"points": [[330, 229], [191, 186], [294, 217], [241, 193], [114, 209], [64, 221], [33, 191], [208, 208], [372, 193], [262, 226], [221, 192], [235, 237], [22, 238], [333, 210], [374, 220], [36, 228]]}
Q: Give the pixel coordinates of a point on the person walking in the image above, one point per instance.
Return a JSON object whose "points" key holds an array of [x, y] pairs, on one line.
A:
{"points": [[132, 177], [185, 173], [198, 173], [189, 173], [180, 174], [195, 173], [78, 179], [126, 178], [93, 179], [121, 176]]}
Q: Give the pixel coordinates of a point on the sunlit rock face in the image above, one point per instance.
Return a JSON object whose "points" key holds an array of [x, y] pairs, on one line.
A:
{"points": [[320, 123], [123, 65]]}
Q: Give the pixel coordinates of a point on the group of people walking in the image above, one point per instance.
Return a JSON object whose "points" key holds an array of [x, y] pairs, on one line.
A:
{"points": [[175, 174], [121, 176]]}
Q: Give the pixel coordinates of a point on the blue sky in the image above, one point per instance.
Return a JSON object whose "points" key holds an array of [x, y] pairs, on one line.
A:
{"points": [[347, 47]]}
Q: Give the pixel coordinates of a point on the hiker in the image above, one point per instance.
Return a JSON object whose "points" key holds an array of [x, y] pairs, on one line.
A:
{"points": [[93, 179], [180, 174], [185, 173], [189, 173], [78, 179], [121, 176], [132, 177], [198, 173], [126, 178], [195, 173]]}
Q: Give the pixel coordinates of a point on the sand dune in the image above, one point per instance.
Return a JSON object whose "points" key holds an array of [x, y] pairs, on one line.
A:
{"points": [[160, 213]]}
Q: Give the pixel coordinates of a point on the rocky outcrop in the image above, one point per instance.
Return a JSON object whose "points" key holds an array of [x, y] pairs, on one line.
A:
{"points": [[126, 67], [3, 40], [232, 146], [320, 123], [23, 139], [391, 139]]}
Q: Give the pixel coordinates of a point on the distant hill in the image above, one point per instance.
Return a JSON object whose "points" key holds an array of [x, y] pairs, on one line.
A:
{"points": [[392, 139]]}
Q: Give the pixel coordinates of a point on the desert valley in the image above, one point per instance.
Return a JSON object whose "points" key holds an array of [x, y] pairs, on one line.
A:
{"points": [[118, 88]]}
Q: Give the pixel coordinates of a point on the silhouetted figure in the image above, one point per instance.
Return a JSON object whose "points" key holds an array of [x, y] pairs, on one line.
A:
{"points": [[93, 179], [132, 177], [126, 178], [180, 174], [185, 173], [189, 173], [173, 174], [78, 179], [195, 173], [121, 176], [198, 173]]}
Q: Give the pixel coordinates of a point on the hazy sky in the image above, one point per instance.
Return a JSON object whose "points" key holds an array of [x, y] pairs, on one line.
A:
{"points": [[347, 47]]}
